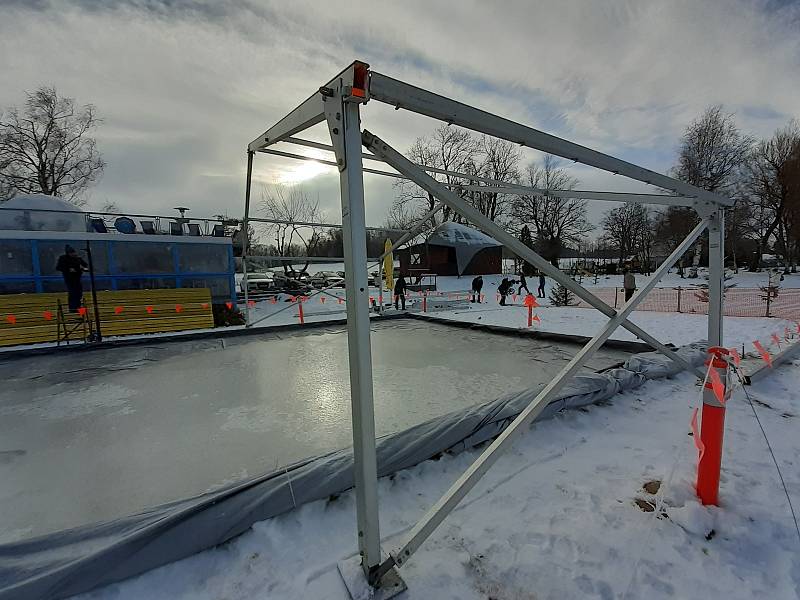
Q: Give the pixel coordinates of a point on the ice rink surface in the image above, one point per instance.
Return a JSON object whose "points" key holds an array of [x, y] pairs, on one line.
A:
{"points": [[89, 436]]}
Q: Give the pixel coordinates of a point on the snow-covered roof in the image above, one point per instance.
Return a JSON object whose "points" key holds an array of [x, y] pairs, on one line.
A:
{"points": [[21, 213], [456, 234], [466, 241]]}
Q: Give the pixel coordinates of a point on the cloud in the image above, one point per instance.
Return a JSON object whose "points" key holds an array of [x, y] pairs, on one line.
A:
{"points": [[184, 86]]}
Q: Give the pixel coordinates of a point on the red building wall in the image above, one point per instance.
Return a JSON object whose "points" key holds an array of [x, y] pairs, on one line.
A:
{"points": [[441, 260]]}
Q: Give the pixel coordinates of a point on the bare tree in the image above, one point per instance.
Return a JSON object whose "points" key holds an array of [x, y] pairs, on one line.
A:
{"points": [[628, 229], [771, 186], [738, 228], [711, 156], [448, 148], [400, 216], [499, 159], [712, 151], [557, 221], [290, 206], [46, 148]]}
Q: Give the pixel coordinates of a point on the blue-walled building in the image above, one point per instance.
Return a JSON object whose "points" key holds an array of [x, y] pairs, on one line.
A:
{"points": [[121, 261]]}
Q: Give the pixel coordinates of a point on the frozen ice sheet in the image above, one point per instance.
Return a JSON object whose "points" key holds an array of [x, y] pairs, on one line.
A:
{"points": [[90, 436]]}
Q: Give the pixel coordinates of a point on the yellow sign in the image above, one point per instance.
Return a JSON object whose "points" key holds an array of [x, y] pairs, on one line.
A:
{"points": [[388, 265]]}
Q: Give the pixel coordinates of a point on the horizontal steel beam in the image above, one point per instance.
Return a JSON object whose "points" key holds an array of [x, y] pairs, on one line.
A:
{"points": [[326, 147], [300, 259], [502, 187], [583, 194], [314, 224], [402, 95], [324, 162]]}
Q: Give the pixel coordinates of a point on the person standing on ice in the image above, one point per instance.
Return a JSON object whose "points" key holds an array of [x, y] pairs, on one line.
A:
{"points": [[400, 292], [72, 267], [523, 284], [504, 288], [540, 291], [477, 286], [629, 283]]}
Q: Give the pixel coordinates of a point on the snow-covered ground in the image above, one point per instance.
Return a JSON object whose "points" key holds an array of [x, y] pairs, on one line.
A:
{"points": [[742, 279], [557, 517], [675, 328]]}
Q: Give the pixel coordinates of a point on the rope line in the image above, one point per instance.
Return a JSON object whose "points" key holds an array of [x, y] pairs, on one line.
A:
{"points": [[771, 452]]}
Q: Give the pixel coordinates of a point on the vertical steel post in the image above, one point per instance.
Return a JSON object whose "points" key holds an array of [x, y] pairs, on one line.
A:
{"points": [[99, 334], [246, 237], [713, 415], [358, 340], [716, 276]]}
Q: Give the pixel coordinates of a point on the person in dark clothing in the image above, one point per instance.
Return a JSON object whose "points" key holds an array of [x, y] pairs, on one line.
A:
{"points": [[540, 291], [477, 286], [504, 288], [523, 284], [72, 267], [400, 292], [629, 283]]}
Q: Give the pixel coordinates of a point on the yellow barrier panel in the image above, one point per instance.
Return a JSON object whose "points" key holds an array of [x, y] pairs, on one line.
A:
{"points": [[32, 318]]}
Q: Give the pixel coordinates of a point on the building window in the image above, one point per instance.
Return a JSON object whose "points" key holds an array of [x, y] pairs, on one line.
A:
{"points": [[50, 251], [141, 257], [203, 258], [15, 257]]}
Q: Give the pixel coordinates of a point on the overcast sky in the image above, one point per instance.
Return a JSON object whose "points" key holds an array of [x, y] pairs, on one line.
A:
{"points": [[184, 86]]}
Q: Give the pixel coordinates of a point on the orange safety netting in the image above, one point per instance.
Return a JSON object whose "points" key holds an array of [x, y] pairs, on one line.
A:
{"points": [[739, 302]]}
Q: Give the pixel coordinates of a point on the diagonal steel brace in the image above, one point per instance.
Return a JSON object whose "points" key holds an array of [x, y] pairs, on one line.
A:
{"points": [[413, 172], [439, 511]]}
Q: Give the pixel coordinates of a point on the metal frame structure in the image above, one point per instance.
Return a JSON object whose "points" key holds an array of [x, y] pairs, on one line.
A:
{"points": [[338, 103]]}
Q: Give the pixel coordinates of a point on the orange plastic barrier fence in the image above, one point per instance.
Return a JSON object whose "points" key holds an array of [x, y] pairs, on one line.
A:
{"points": [[739, 302]]}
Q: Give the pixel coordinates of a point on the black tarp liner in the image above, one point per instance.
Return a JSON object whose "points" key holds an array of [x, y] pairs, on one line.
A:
{"points": [[69, 562]]}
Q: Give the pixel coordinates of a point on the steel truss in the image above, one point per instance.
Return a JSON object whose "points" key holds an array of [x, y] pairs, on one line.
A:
{"points": [[338, 104]]}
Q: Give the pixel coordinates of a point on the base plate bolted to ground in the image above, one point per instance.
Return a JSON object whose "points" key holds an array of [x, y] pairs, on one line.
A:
{"points": [[356, 582]]}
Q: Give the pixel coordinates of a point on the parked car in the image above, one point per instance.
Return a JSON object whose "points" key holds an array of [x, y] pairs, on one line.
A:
{"points": [[371, 278], [289, 285], [258, 282], [327, 279]]}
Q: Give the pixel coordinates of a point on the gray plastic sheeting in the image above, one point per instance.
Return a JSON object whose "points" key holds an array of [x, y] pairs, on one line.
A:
{"points": [[77, 560]]}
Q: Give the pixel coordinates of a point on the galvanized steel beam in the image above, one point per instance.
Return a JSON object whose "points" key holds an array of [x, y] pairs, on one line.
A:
{"points": [[420, 532], [408, 97]]}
